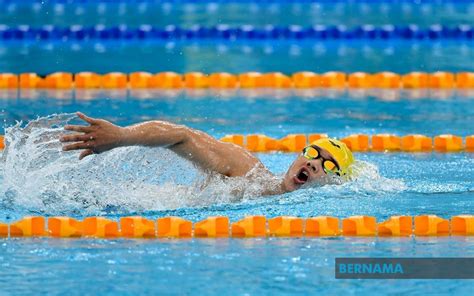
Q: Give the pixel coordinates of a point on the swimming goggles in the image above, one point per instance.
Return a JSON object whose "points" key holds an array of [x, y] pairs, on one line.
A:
{"points": [[330, 166]]}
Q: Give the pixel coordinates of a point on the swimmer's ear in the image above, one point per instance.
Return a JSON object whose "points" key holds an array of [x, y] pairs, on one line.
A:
{"points": [[86, 118]]}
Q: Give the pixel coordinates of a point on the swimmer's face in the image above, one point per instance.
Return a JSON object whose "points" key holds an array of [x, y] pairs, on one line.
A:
{"points": [[305, 171]]}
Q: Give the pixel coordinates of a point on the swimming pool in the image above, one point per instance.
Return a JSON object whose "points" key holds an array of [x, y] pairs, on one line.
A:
{"points": [[410, 184], [37, 179]]}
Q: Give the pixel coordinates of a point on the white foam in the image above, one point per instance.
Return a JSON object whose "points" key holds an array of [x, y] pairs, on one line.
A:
{"points": [[39, 177]]}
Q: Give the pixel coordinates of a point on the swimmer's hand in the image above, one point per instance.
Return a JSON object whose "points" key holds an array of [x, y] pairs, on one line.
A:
{"points": [[99, 136]]}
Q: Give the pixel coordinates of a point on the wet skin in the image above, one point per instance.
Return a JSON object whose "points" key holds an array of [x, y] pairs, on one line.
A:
{"points": [[198, 147]]}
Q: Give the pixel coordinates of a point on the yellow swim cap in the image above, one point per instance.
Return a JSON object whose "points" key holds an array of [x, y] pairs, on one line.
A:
{"points": [[339, 151]]}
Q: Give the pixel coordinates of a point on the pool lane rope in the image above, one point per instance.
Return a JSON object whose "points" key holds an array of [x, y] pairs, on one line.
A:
{"points": [[242, 32], [262, 2], [356, 142], [247, 80], [250, 226]]}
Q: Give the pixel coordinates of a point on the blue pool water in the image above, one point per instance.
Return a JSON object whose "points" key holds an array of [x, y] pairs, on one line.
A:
{"points": [[215, 267], [133, 181], [265, 56], [207, 13], [37, 178], [272, 112]]}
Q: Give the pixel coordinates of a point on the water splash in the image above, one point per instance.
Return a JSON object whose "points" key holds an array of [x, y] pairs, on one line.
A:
{"points": [[367, 183], [38, 177]]}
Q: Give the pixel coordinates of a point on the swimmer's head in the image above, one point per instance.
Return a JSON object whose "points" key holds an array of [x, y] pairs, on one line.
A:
{"points": [[321, 159]]}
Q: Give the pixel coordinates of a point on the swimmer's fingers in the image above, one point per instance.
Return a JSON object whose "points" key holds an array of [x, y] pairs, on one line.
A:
{"points": [[76, 138], [85, 153], [78, 146], [87, 119], [78, 128]]}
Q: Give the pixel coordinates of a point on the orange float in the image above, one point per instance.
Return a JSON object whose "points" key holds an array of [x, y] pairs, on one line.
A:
{"points": [[416, 143], [3, 230], [61, 80], [137, 227], [315, 137], [28, 226], [8, 80], [333, 79], [30, 80], [222, 80], [293, 143], [470, 143], [396, 226], [212, 227], [174, 227], [428, 225], [462, 225], [100, 227], [385, 142], [306, 80], [2, 142], [322, 226], [114, 80], [87, 80], [360, 80], [359, 226], [465, 80], [441, 80], [358, 142], [448, 143], [276, 80], [285, 226], [387, 80], [415, 80], [251, 80], [235, 139], [196, 80], [169, 80], [250, 226], [139, 79], [64, 227], [261, 143]]}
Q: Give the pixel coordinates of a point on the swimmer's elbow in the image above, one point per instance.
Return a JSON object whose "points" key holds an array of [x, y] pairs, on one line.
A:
{"points": [[180, 135]]}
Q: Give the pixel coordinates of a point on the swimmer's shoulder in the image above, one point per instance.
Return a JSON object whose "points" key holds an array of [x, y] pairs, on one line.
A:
{"points": [[241, 161]]}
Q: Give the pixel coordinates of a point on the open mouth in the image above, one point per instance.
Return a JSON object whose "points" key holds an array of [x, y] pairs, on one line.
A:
{"points": [[302, 176]]}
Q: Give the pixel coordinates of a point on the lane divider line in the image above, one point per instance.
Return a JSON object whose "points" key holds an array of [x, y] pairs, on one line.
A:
{"points": [[247, 80], [266, 2], [249, 226], [240, 32], [357, 142]]}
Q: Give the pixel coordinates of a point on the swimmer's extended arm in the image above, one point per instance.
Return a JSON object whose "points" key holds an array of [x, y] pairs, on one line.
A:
{"points": [[196, 146]]}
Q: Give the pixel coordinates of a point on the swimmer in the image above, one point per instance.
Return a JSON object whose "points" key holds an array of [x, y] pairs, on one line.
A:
{"points": [[318, 162]]}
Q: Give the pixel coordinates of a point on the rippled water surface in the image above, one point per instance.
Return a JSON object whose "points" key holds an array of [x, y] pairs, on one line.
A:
{"points": [[285, 56], [37, 178], [215, 267]]}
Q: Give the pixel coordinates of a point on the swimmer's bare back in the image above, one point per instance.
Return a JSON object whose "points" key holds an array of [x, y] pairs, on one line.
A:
{"points": [[200, 148]]}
